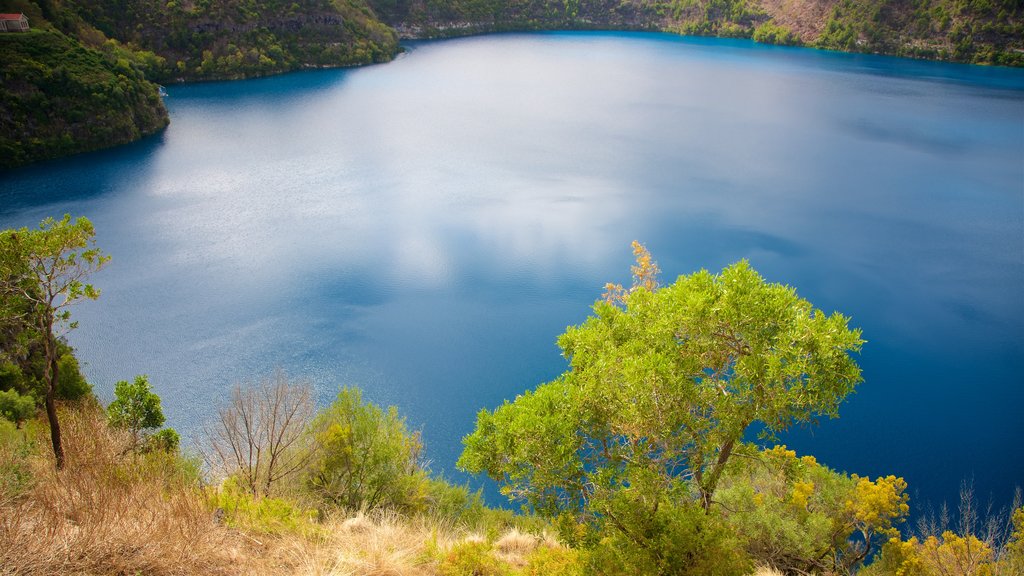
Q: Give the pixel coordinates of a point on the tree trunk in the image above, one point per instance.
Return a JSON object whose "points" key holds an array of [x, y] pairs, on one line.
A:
{"points": [[708, 488], [51, 399]]}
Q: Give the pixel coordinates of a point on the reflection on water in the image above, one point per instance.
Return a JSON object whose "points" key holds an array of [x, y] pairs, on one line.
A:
{"points": [[425, 229]]}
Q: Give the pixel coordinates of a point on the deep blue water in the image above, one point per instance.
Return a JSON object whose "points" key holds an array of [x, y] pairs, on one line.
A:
{"points": [[425, 229]]}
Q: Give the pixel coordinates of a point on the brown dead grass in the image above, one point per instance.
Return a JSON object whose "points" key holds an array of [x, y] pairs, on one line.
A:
{"points": [[381, 544], [107, 513], [111, 512]]}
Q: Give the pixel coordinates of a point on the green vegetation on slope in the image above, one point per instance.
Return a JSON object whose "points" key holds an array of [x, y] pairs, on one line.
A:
{"points": [[81, 80], [241, 38], [977, 31], [58, 97]]}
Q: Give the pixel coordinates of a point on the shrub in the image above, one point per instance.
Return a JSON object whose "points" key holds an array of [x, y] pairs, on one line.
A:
{"points": [[16, 408], [554, 561], [676, 540], [71, 385], [472, 557], [366, 457], [166, 440], [15, 448], [135, 408], [263, 515], [795, 514]]}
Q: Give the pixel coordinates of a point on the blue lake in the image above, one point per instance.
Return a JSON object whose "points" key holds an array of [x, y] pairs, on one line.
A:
{"points": [[426, 228]]}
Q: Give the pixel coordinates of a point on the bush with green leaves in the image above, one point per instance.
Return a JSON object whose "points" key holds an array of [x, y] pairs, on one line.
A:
{"points": [[677, 539], [366, 457], [16, 408], [472, 557], [262, 514], [166, 440], [71, 384], [799, 516], [16, 446], [663, 385], [136, 408]]}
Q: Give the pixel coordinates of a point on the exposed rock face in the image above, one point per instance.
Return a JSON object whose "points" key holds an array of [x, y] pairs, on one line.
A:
{"points": [[806, 18]]}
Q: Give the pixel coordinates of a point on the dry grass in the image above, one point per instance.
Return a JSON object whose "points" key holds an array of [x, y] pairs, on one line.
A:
{"points": [[111, 512], [108, 513], [382, 544]]}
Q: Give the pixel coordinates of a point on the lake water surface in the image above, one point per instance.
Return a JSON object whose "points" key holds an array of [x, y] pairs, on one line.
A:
{"points": [[425, 229]]}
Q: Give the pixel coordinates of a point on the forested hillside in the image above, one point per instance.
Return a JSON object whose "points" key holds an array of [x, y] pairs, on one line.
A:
{"points": [[82, 79], [977, 31], [58, 96], [239, 38]]}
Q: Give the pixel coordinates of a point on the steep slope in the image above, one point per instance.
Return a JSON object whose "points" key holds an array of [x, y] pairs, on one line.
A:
{"points": [[60, 97], [977, 31], [81, 79], [207, 39]]}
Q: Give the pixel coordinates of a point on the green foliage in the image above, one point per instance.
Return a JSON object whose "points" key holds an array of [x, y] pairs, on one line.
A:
{"points": [[554, 561], [992, 546], [1014, 553], [264, 515], [239, 38], [71, 384], [441, 499], [42, 273], [771, 33], [472, 558], [628, 447], [135, 408], [663, 387], [166, 440], [977, 32], [676, 539], [16, 445], [16, 408], [800, 516], [60, 97], [366, 457]]}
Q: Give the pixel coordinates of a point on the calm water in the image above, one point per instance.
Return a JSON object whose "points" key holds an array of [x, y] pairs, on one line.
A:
{"points": [[425, 229]]}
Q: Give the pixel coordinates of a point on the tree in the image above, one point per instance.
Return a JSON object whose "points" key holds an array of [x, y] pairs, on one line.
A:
{"points": [[47, 268], [259, 437], [135, 408], [367, 458], [663, 385]]}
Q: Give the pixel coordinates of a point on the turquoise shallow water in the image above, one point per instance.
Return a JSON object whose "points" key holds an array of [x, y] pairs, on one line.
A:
{"points": [[425, 229]]}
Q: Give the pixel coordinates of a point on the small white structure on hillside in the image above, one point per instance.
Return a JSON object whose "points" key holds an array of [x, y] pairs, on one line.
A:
{"points": [[13, 23]]}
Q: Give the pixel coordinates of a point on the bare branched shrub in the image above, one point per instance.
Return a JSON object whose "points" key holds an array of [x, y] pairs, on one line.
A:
{"points": [[973, 540], [259, 437]]}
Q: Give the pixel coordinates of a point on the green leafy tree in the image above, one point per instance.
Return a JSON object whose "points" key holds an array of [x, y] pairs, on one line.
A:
{"points": [[136, 408], [15, 407], [662, 387], [46, 268], [366, 457]]}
